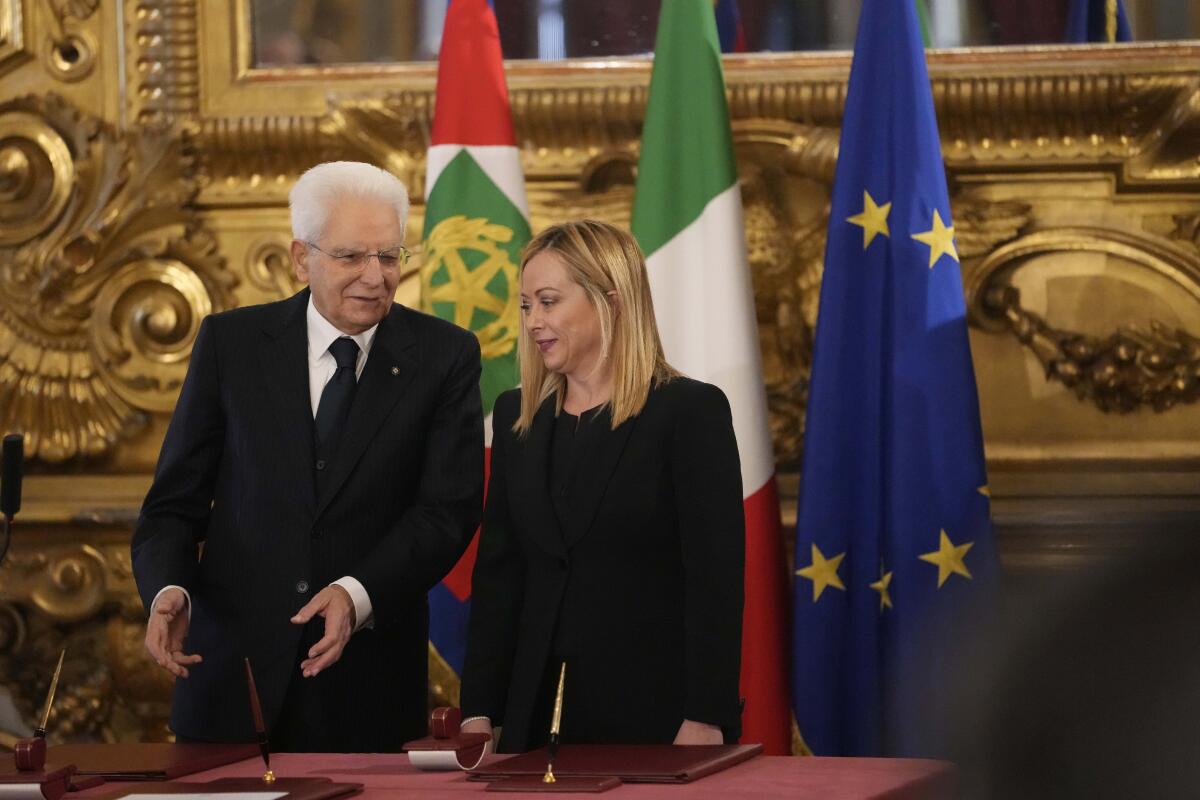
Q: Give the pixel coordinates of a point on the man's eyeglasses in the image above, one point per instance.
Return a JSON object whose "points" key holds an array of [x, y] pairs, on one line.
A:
{"points": [[388, 259]]}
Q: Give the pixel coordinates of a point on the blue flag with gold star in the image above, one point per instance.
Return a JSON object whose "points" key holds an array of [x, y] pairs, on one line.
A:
{"points": [[894, 548]]}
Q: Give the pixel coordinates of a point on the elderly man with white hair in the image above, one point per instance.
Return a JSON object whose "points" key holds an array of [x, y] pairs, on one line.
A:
{"points": [[322, 471]]}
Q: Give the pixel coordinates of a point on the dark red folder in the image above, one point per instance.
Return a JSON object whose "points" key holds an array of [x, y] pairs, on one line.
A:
{"points": [[47, 784], [295, 788], [647, 763], [150, 761]]}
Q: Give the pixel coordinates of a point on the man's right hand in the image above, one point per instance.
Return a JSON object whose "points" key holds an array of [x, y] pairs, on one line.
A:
{"points": [[165, 632]]}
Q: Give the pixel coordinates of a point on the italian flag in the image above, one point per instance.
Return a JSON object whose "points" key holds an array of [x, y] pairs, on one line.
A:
{"points": [[687, 216], [476, 222]]}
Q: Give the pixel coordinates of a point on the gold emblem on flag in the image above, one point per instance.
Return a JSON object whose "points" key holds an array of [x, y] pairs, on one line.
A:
{"points": [[453, 244]]}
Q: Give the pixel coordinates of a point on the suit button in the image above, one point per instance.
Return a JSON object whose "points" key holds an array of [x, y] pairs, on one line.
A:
{"points": [[562, 563], [301, 587], [316, 534], [320, 464]]}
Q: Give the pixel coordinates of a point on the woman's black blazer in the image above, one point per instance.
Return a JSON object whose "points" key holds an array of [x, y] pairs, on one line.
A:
{"points": [[645, 579]]}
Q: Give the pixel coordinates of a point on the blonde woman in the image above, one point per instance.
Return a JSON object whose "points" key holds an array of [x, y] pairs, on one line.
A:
{"points": [[613, 532]]}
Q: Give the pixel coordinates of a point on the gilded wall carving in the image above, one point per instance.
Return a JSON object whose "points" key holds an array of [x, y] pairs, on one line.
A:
{"points": [[163, 83], [1156, 366], [71, 54], [144, 167], [105, 275], [81, 597]]}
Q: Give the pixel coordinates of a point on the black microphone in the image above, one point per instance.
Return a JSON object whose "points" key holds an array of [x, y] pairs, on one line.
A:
{"points": [[10, 474]]}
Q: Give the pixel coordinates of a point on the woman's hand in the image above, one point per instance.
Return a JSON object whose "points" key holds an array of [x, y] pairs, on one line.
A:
{"points": [[691, 732], [481, 725]]}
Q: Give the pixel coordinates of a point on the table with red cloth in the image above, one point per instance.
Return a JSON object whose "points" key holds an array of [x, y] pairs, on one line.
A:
{"points": [[389, 776]]}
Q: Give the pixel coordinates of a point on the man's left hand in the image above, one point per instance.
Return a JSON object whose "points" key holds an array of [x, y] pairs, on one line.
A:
{"points": [[334, 604], [692, 732]]}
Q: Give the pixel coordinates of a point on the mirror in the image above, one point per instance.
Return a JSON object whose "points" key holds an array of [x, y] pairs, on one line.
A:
{"points": [[288, 32]]}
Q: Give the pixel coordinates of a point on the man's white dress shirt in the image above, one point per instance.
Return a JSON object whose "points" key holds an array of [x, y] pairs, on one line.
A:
{"points": [[321, 366]]}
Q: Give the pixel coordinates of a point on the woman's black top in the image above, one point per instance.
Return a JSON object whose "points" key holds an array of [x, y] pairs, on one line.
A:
{"points": [[573, 438], [620, 551]]}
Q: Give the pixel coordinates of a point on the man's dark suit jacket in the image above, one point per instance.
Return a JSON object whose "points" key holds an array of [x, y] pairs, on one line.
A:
{"points": [[645, 582], [236, 474]]}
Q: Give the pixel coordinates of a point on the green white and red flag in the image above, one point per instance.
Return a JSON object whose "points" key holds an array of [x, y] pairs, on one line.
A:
{"points": [[687, 216], [476, 222]]}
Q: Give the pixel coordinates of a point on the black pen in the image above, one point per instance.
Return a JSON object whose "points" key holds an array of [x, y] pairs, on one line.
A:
{"points": [[259, 727]]}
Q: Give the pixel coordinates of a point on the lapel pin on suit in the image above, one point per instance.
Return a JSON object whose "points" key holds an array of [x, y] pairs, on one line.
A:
{"points": [[395, 370]]}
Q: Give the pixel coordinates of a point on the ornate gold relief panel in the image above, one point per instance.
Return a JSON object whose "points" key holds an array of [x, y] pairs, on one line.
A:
{"points": [[64, 593], [104, 277], [1086, 332]]}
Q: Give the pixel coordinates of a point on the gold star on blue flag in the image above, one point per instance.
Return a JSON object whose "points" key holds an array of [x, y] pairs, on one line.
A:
{"points": [[872, 219], [894, 486], [822, 572], [940, 239]]}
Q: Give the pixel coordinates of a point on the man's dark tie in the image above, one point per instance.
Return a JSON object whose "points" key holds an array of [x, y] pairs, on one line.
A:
{"points": [[336, 399]]}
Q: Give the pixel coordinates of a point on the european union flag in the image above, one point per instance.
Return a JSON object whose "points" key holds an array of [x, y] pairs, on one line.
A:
{"points": [[894, 541], [1097, 21]]}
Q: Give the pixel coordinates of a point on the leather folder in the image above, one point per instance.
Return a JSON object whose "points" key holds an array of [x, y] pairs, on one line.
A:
{"points": [[47, 784], [295, 788], [644, 763], [149, 761]]}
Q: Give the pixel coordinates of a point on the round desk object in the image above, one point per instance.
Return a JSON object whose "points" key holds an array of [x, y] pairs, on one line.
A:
{"points": [[30, 754], [444, 722], [447, 747]]}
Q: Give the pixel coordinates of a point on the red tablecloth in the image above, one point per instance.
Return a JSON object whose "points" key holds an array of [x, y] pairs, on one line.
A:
{"points": [[390, 776]]}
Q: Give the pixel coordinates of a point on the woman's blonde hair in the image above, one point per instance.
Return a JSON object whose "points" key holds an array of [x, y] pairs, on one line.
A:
{"points": [[604, 260]]}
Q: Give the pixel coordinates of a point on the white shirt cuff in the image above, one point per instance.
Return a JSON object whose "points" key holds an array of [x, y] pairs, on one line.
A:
{"points": [[360, 598], [187, 598]]}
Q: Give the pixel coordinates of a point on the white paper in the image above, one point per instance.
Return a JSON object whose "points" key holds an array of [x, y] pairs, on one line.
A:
{"points": [[433, 760], [207, 796], [21, 791], [438, 760]]}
